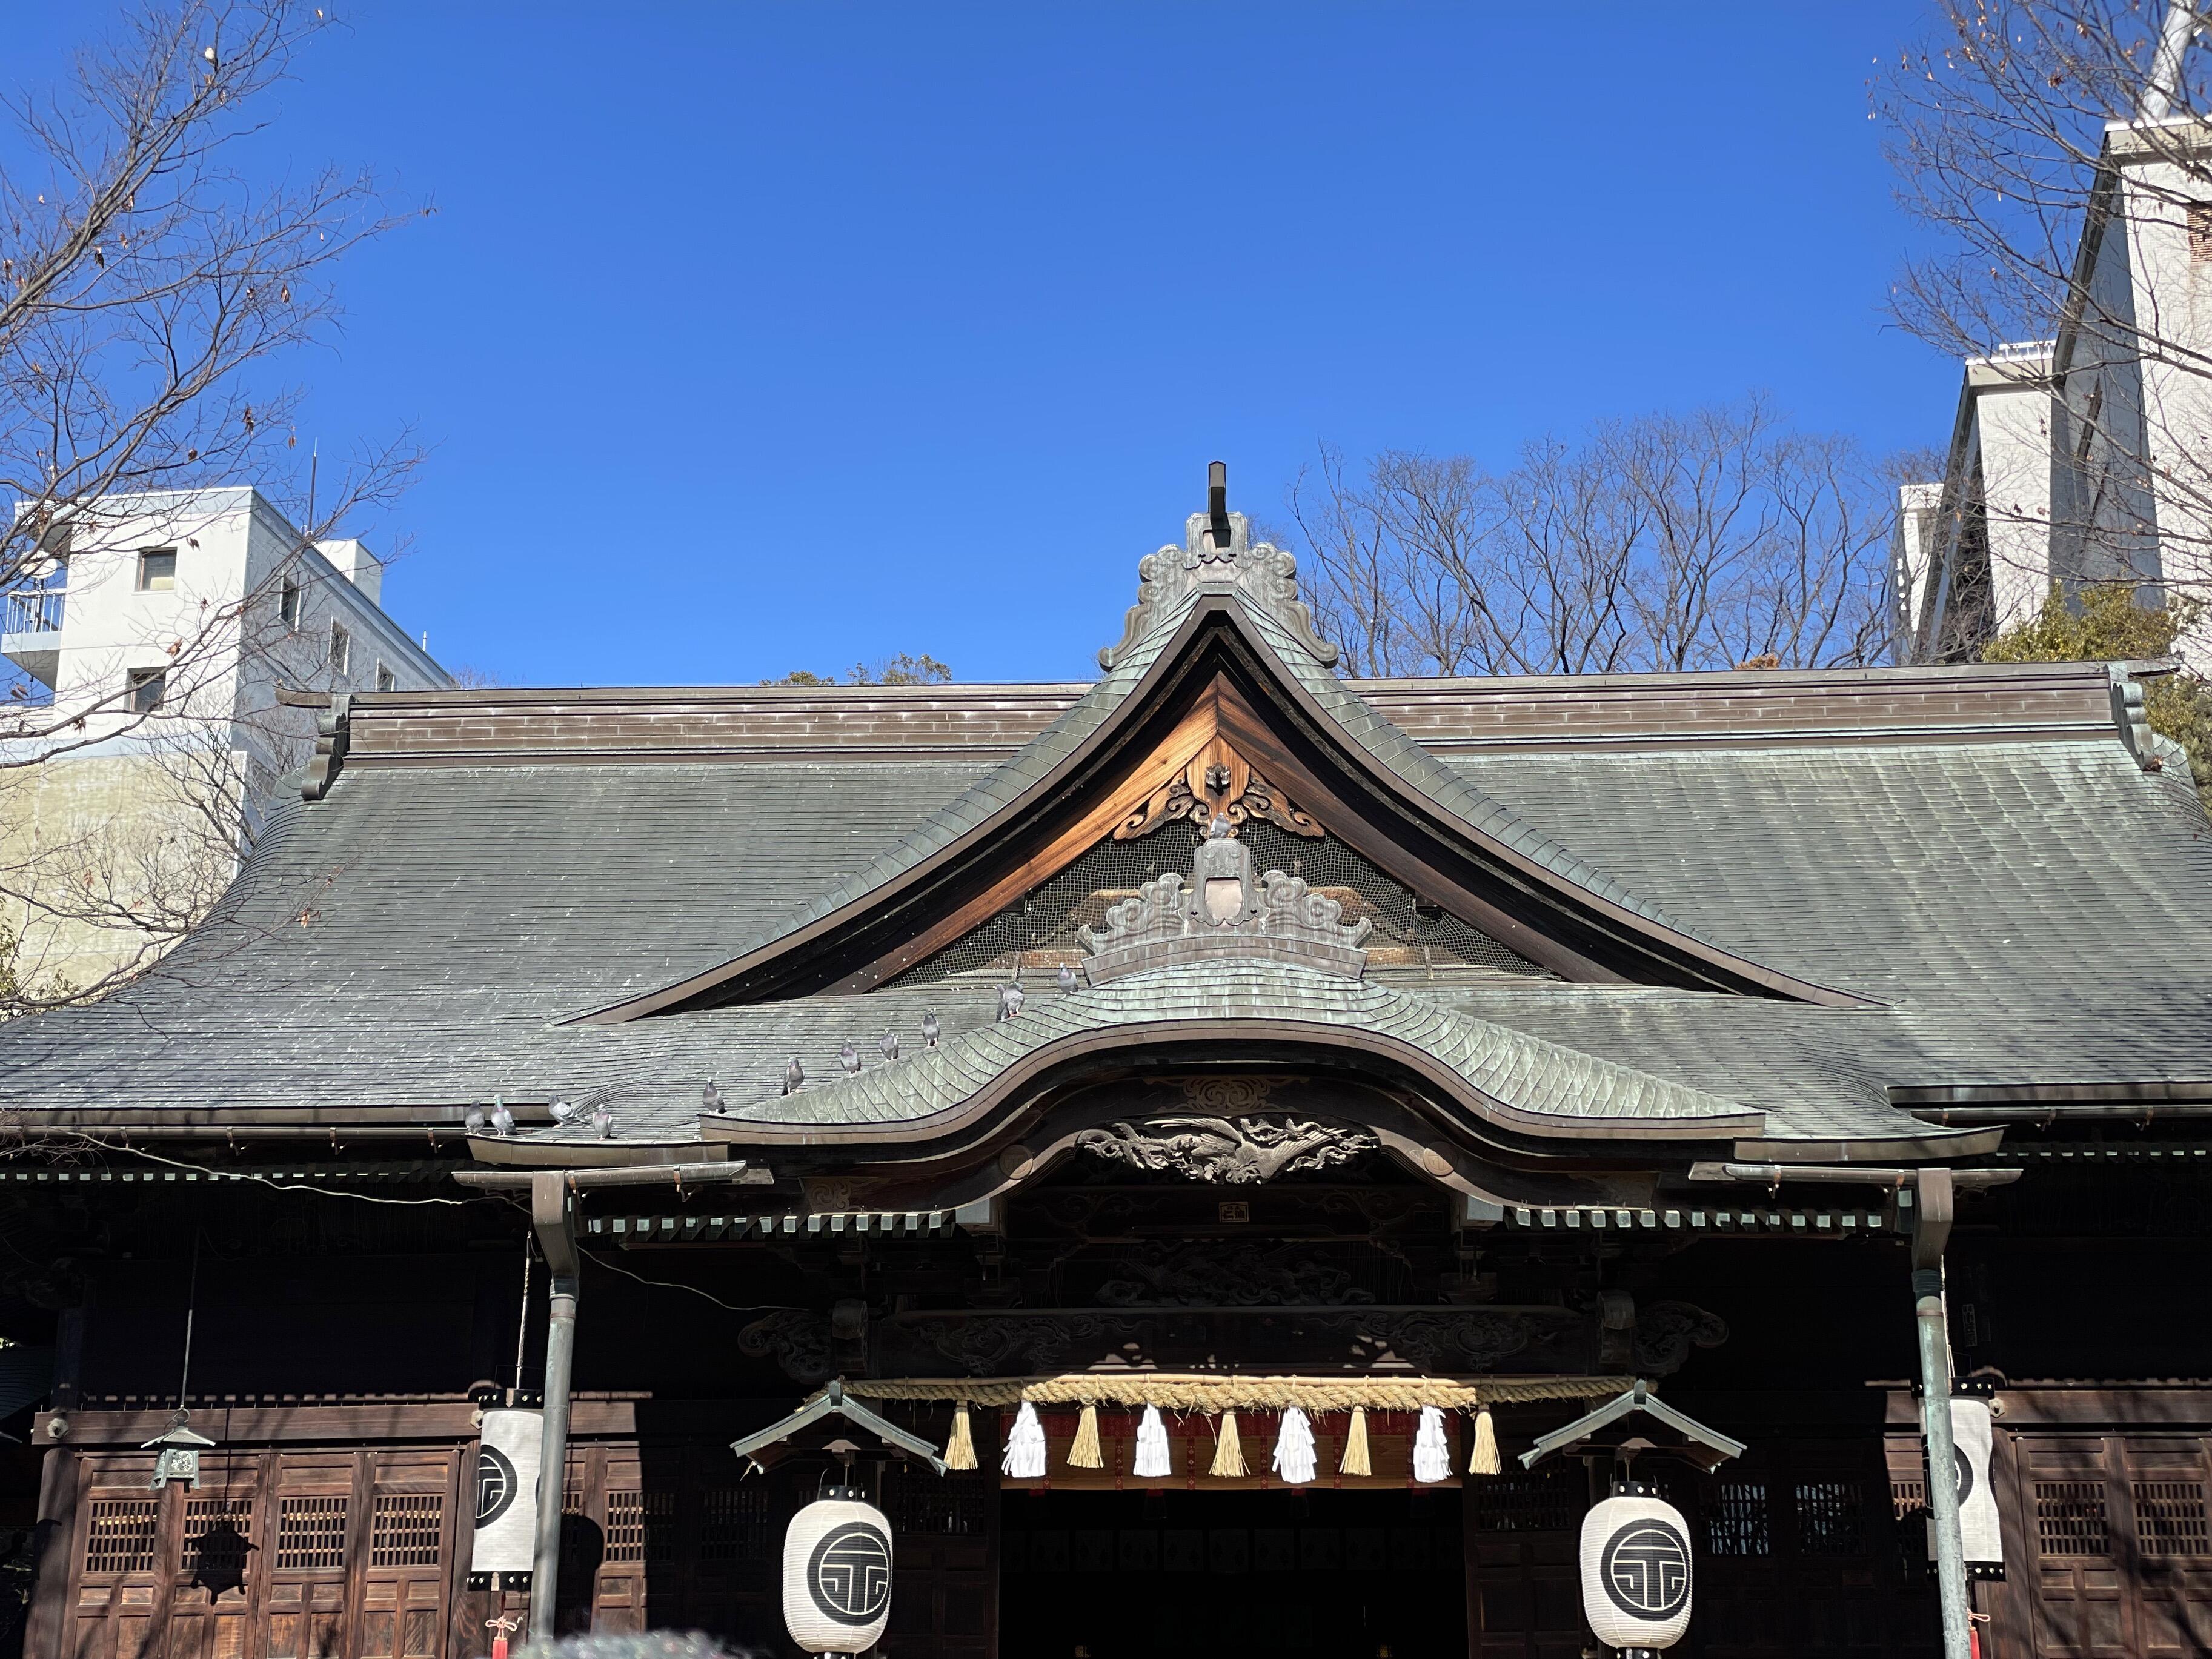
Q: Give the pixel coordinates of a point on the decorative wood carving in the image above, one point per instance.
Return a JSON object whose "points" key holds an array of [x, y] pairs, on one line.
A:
{"points": [[1018, 1345], [1453, 1338], [798, 1338], [1239, 1152], [1214, 1275], [1667, 1331], [1216, 782], [1225, 912]]}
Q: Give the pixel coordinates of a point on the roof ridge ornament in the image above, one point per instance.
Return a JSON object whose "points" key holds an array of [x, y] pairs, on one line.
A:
{"points": [[1224, 913], [1218, 554]]}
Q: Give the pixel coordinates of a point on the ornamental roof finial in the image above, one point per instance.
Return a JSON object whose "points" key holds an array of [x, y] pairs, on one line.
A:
{"points": [[1218, 554]]}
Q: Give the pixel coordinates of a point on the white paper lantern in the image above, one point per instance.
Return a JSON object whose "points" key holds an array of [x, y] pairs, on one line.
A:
{"points": [[1636, 1569], [838, 1575]]}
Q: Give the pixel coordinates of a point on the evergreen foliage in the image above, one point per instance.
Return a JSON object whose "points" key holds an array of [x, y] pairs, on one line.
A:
{"points": [[2106, 625]]}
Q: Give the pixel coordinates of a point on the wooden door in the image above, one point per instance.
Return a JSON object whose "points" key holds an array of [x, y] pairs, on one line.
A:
{"points": [[2170, 1540], [309, 1520], [119, 1553], [210, 1603], [1524, 1585], [945, 1551], [405, 1578], [2065, 1501]]}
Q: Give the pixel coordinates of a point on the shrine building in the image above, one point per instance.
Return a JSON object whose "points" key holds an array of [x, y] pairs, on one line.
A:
{"points": [[1230, 1159]]}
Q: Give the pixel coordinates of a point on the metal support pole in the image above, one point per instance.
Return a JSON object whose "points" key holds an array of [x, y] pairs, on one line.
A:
{"points": [[552, 1214], [1931, 1231]]}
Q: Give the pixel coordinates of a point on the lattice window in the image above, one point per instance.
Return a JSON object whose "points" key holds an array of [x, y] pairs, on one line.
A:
{"points": [[1528, 1502], [1908, 1498], [1831, 1517], [733, 1523], [2069, 1518], [641, 1526], [954, 1506], [218, 1533], [121, 1536], [2169, 1518], [310, 1534], [1735, 1518], [407, 1529]]}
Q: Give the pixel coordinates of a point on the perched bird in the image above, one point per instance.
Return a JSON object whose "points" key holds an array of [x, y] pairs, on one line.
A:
{"points": [[1066, 979], [502, 1121], [849, 1057], [929, 1028], [794, 1076], [476, 1121], [603, 1122], [562, 1110], [1010, 1000], [710, 1097], [889, 1045]]}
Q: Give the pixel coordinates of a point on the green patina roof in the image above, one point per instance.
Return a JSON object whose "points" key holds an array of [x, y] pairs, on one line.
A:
{"points": [[1524, 1073]]}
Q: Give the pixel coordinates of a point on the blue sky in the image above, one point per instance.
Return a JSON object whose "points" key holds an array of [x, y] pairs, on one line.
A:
{"points": [[767, 336]]}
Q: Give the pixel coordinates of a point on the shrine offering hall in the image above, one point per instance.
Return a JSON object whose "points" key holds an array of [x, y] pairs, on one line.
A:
{"points": [[1223, 1158]]}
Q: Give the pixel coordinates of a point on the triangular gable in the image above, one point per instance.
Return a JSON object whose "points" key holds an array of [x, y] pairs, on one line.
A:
{"points": [[1220, 680]]}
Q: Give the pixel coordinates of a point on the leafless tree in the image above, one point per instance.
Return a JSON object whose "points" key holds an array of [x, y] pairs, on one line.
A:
{"points": [[2059, 154], [1664, 542], [152, 290]]}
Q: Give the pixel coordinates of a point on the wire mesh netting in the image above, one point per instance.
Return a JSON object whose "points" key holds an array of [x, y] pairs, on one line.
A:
{"points": [[1039, 931]]}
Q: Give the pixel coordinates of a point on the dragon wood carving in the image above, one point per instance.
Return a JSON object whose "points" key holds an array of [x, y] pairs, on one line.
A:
{"points": [[1240, 1153]]}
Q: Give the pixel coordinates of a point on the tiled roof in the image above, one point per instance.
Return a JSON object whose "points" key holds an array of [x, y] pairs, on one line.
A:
{"points": [[2026, 903]]}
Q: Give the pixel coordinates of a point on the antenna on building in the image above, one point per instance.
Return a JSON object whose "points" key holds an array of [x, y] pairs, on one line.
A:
{"points": [[1216, 501], [314, 462], [2179, 28]]}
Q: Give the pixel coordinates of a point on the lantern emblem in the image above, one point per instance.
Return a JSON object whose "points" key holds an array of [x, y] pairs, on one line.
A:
{"points": [[1636, 1569], [1645, 1569], [838, 1575], [849, 1574]]}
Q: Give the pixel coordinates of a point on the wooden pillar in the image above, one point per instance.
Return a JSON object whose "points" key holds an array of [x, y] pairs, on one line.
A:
{"points": [[54, 1542]]}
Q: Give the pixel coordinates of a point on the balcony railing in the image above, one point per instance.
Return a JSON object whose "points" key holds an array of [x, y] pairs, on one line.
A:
{"points": [[32, 610]]}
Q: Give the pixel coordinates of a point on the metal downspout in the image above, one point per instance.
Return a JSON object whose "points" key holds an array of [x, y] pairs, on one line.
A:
{"points": [[1931, 1231], [552, 1214]]}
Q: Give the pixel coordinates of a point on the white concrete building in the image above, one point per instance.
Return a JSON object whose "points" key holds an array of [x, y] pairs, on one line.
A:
{"points": [[2086, 457], [151, 646]]}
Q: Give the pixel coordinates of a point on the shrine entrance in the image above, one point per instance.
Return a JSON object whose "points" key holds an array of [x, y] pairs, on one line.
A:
{"points": [[1319, 1573]]}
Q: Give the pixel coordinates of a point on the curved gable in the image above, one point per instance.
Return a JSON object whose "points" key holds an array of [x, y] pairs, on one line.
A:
{"points": [[1223, 681]]}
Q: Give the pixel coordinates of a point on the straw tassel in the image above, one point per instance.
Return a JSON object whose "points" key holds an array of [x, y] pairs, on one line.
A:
{"points": [[1024, 1458], [1355, 1446], [1294, 1448], [1084, 1453], [1152, 1460], [1228, 1453], [960, 1450], [1484, 1458], [1431, 1451]]}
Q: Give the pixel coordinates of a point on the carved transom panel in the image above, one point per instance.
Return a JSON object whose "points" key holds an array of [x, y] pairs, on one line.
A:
{"points": [[1238, 1152]]}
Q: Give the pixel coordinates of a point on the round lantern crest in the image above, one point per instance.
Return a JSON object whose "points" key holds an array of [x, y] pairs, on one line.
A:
{"points": [[837, 1574], [1636, 1569]]}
